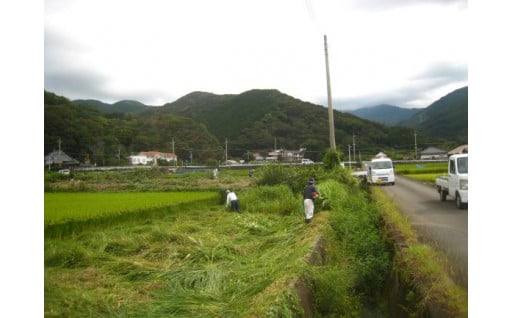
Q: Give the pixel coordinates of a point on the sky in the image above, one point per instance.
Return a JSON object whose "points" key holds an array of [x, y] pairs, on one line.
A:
{"points": [[400, 52]]}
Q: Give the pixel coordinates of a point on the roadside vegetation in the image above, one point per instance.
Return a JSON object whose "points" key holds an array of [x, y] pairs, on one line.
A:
{"points": [[423, 272]]}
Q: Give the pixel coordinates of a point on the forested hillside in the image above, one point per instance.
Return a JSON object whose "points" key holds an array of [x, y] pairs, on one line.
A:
{"points": [[200, 123], [447, 116], [108, 138]]}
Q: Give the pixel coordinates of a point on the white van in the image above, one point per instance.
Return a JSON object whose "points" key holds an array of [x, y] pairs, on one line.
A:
{"points": [[380, 171], [307, 161]]}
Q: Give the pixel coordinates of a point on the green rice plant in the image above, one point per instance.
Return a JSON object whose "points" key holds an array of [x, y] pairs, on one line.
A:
{"points": [[63, 207], [423, 168]]}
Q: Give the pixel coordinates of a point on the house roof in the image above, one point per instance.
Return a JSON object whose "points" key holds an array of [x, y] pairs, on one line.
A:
{"points": [[153, 154], [432, 151], [459, 149], [59, 157]]}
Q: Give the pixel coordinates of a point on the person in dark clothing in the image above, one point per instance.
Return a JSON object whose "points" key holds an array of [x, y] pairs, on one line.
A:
{"points": [[310, 193]]}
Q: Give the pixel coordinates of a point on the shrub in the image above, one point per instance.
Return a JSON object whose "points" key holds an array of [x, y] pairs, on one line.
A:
{"points": [[332, 159]]}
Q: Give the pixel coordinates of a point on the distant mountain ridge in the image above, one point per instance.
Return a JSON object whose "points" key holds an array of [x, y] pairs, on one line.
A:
{"points": [[124, 106], [385, 114], [447, 116], [267, 118]]}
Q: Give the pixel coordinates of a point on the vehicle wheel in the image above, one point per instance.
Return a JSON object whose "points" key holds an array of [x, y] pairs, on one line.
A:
{"points": [[442, 195], [458, 202]]}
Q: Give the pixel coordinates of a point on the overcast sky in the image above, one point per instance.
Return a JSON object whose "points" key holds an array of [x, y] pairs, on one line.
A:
{"points": [[401, 52]]}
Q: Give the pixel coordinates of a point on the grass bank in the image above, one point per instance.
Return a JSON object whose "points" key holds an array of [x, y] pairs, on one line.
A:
{"points": [[420, 274]]}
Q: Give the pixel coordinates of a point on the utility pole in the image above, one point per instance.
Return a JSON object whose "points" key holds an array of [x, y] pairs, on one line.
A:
{"points": [[349, 160], [329, 98], [59, 141], [226, 151], [415, 147], [354, 148], [175, 158]]}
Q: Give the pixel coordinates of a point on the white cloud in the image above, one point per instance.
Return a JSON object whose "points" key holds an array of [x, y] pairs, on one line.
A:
{"points": [[157, 51]]}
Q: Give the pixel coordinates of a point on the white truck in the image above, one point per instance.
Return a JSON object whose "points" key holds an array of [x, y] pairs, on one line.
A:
{"points": [[380, 171], [455, 184]]}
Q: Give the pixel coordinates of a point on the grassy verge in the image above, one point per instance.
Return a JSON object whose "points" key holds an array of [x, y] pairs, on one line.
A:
{"points": [[421, 270]]}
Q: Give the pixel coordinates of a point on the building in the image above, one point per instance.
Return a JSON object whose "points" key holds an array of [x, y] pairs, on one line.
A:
{"points": [[433, 153], [458, 150], [151, 157], [283, 155], [59, 159]]}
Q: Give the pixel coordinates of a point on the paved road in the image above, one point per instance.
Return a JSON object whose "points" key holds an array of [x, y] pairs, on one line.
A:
{"points": [[439, 224]]}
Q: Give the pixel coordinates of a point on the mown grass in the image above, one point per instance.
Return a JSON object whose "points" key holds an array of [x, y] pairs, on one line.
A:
{"points": [[193, 263], [202, 261]]}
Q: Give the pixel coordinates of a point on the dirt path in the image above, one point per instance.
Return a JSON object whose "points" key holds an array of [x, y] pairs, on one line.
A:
{"points": [[439, 224]]}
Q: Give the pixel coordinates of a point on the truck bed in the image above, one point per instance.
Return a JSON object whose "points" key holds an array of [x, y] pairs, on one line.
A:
{"points": [[442, 181]]}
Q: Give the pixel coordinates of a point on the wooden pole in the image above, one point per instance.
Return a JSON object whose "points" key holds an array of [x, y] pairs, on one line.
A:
{"points": [[329, 98]]}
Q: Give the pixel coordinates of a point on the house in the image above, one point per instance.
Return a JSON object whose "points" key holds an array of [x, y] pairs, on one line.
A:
{"points": [[458, 150], [59, 158], [433, 153], [286, 155], [151, 157]]}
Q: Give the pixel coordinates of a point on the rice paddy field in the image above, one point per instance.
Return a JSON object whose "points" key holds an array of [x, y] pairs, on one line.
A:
{"points": [[60, 207], [425, 172]]}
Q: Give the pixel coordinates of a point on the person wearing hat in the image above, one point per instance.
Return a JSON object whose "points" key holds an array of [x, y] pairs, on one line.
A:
{"points": [[233, 200], [310, 193]]}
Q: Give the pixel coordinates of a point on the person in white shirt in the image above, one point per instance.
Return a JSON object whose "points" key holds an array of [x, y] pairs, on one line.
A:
{"points": [[233, 200]]}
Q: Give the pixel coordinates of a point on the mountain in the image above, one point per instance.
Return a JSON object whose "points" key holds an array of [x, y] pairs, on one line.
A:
{"points": [[124, 106], [445, 118], [200, 124], [263, 118], [385, 114]]}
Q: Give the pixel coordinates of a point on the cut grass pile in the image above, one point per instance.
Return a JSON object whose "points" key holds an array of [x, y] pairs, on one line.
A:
{"points": [[195, 263]]}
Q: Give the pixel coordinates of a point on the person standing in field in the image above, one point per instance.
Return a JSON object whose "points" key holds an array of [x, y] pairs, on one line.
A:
{"points": [[232, 200], [310, 194]]}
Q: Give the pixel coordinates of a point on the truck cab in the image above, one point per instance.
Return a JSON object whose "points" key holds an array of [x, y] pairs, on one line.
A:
{"points": [[380, 171], [455, 183]]}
